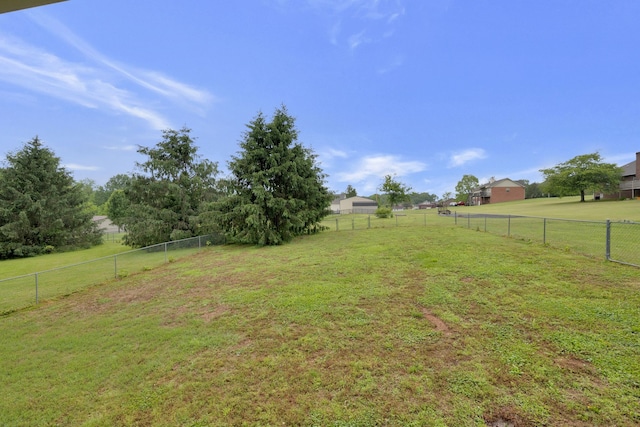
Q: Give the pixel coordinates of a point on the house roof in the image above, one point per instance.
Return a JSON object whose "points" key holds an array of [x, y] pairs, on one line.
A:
{"points": [[505, 182], [359, 199], [629, 169], [12, 5]]}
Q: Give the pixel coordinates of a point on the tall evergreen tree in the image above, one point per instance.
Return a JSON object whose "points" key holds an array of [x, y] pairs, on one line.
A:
{"points": [[276, 190], [41, 207], [166, 199]]}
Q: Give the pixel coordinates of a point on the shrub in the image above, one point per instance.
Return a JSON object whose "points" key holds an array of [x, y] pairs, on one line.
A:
{"points": [[383, 212]]}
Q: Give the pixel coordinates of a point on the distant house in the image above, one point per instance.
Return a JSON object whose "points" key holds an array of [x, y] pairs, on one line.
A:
{"points": [[427, 205], [502, 190], [335, 204], [361, 205], [630, 181]]}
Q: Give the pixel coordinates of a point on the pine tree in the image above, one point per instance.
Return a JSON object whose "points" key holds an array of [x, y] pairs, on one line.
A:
{"points": [[41, 207], [165, 200], [276, 190]]}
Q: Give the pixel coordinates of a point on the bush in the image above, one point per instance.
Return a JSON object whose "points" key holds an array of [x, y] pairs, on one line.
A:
{"points": [[383, 212]]}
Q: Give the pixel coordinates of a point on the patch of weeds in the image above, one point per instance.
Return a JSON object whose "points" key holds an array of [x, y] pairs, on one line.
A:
{"points": [[468, 384]]}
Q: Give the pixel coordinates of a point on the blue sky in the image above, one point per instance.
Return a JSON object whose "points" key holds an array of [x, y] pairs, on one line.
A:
{"points": [[426, 90]]}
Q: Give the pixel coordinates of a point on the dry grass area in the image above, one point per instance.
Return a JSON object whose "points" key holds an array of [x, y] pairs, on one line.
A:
{"points": [[431, 326]]}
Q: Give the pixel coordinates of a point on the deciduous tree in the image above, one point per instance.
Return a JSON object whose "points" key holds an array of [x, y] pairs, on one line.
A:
{"points": [[350, 191], [41, 207], [276, 190], [396, 191], [586, 172], [465, 187]]}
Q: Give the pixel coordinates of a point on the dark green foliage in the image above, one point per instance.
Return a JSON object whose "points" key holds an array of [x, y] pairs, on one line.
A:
{"points": [[165, 201], [582, 173], [532, 190], [117, 207], [417, 198], [103, 192], [350, 191], [41, 207], [276, 190]]}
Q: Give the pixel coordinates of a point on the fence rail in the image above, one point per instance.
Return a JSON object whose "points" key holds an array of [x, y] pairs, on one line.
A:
{"points": [[23, 291]]}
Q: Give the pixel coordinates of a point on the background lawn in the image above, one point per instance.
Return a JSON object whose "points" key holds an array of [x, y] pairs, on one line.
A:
{"points": [[433, 325]]}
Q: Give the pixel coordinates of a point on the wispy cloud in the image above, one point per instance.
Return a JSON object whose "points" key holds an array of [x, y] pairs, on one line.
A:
{"points": [[396, 62], [461, 158], [371, 169], [77, 167], [95, 82], [121, 147], [365, 21], [332, 153]]}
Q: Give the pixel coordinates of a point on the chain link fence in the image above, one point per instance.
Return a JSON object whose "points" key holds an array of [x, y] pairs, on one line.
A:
{"points": [[23, 291], [365, 221], [616, 241]]}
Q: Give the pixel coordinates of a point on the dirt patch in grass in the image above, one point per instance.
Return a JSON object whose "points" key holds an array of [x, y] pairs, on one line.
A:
{"points": [[436, 322], [215, 313]]}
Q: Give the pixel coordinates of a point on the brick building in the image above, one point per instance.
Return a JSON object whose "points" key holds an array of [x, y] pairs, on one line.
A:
{"points": [[502, 190]]}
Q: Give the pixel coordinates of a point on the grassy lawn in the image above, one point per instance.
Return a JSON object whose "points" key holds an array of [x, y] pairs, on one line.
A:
{"points": [[18, 267], [434, 326], [65, 273], [565, 207]]}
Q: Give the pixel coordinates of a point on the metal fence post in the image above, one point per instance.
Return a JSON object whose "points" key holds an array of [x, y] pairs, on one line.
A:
{"points": [[115, 266], [165, 252], [544, 231], [468, 221], [455, 217], [36, 288], [485, 223], [369, 221], [608, 242], [337, 228], [509, 227]]}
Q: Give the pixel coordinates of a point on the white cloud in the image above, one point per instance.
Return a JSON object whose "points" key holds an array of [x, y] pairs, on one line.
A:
{"points": [[374, 18], [77, 167], [94, 83], [462, 157], [356, 40], [121, 147], [379, 166], [332, 153]]}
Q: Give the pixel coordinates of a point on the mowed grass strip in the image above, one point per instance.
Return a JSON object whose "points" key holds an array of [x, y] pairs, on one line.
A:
{"points": [[428, 326]]}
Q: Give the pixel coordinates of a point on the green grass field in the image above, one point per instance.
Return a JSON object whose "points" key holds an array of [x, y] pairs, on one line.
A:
{"points": [[51, 276], [434, 325], [18, 267], [565, 208]]}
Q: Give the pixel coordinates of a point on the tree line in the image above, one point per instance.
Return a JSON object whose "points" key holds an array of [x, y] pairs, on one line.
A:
{"points": [[274, 192], [576, 176]]}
